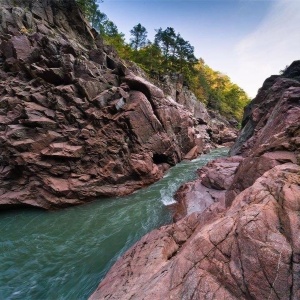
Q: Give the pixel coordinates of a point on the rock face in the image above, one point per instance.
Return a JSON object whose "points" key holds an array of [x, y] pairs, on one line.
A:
{"points": [[237, 229], [251, 252], [211, 128], [75, 122], [214, 180]]}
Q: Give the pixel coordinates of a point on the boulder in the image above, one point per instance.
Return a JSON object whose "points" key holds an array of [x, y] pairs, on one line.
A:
{"points": [[209, 190], [249, 252]]}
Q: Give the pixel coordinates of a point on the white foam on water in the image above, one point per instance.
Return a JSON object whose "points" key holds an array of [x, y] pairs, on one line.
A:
{"points": [[167, 200]]}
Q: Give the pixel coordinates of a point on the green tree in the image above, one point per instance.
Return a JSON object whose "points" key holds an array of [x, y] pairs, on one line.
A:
{"points": [[139, 37], [178, 53], [165, 40], [149, 58], [89, 8], [185, 53], [218, 92], [99, 21], [110, 29]]}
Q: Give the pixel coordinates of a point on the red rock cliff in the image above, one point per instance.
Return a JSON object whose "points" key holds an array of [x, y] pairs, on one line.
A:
{"points": [[237, 234], [75, 122]]}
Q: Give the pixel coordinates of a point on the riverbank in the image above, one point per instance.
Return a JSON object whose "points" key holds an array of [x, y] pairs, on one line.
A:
{"points": [[64, 254], [237, 221]]}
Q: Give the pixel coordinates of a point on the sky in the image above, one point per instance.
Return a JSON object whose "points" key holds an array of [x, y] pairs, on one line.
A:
{"points": [[248, 40]]}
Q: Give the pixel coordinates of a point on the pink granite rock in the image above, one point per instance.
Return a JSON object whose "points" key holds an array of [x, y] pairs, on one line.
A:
{"points": [[237, 229], [249, 251]]}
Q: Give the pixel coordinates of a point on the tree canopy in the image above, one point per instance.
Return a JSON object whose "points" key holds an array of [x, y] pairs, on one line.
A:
{"points": [[218, 92], [90, 9], [170, 53], [138, 37]]}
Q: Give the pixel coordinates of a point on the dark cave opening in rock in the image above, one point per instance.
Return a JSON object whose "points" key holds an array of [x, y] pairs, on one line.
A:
{"points": [[160, 158]]}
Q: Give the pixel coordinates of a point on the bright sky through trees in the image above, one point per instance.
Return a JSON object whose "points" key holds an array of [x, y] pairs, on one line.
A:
{"points": [[247, 40]]}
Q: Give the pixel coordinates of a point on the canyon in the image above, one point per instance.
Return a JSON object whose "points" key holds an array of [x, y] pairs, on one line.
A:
{"points": [[76, 123], [236, 234]]}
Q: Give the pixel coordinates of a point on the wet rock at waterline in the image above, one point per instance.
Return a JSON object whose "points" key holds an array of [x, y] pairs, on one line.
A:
{"points": [[209, 190], [237, 229], [248, 252], [70, 250]]}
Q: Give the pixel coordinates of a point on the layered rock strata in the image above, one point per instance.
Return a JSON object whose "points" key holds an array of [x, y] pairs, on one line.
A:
{"points": [[75, 122], [237, 234]]}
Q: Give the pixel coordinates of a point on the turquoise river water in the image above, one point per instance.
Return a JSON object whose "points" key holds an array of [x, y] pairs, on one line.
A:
{"points": [[64, 254]]}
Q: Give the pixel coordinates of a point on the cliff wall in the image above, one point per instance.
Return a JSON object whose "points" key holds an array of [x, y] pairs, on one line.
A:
{"points": [[75, 122], [237, 229]]}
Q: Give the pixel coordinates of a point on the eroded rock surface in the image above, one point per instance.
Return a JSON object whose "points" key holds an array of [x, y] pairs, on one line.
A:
{"points": [[251, 252], [214, 179], [75, 122], [212, 129], [237, 229]]}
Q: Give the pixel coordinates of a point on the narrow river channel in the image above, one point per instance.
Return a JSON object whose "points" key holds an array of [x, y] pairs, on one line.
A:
{"points": [[64, 254]]}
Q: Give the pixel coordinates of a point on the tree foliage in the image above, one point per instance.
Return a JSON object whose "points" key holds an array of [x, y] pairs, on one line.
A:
{"points": [[108, 29], [138, 37], [178, 53], [89, 8], [218, 92], [170, 53]]}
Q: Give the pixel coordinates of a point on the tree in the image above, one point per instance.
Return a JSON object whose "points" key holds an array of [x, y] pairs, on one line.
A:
{"points": [[178, 53], [89, 8], [139, 37], [99, 21], [166, 40], [185, 53], [218, 92], [110, 29], [149, 58]]}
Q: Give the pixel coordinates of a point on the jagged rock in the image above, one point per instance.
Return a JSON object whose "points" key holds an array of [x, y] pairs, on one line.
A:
{"points": [[236, 235], [250, 252], [18, 47], [211, 128], [269, 108], [207, 191], [75, 122], [63, 150], [193, 153], [274, 116]]}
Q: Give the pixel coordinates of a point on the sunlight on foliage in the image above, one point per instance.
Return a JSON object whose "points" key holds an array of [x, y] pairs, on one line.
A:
{"points": [[170, 54]]}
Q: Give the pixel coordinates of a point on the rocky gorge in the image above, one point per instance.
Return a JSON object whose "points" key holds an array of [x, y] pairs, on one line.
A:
{"points": [[236, 234], [76, 122]]}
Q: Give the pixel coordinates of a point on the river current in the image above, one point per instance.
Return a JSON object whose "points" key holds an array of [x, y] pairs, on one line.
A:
{"points": [[64, 254]]}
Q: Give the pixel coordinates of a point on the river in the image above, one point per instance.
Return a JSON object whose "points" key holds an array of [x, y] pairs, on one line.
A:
{"points": [[64, 254]]}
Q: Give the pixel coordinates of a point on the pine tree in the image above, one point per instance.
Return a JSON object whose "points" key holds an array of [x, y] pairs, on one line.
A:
{"points": [[139, 37], [166, 40]]}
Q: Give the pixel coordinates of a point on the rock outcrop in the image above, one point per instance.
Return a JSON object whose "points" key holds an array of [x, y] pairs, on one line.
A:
{"points": [[237, 229], [75, 122], [214, 180], [212, 128]]}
